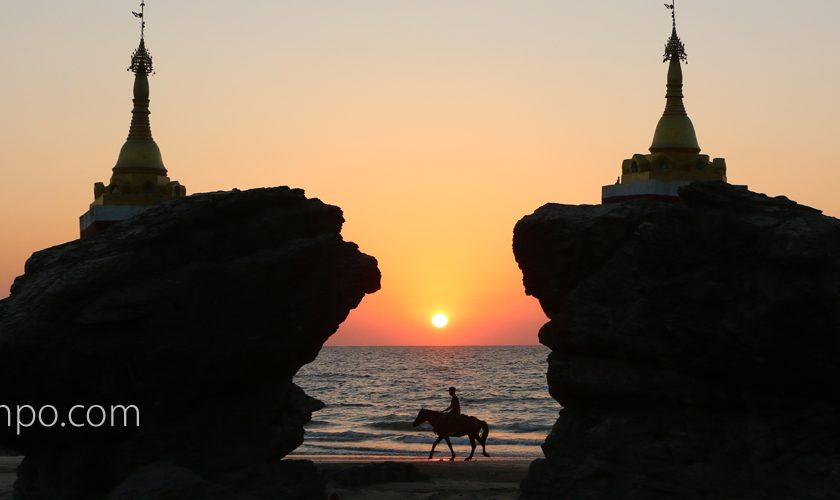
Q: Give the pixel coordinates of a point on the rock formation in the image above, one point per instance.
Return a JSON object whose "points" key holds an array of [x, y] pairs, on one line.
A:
{"points": [[694, 347], [199, 312]]}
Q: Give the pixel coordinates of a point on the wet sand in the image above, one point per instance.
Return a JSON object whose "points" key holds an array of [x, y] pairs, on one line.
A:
{"points": [[484, 478]]}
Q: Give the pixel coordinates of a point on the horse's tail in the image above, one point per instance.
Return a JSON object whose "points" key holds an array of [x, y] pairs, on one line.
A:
{"points": [[485, 430]]}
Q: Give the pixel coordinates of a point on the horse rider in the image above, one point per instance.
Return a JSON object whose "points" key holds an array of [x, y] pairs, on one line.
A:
{"points": [[454, 409]]}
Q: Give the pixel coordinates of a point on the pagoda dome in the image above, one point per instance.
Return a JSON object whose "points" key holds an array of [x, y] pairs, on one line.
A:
{"points": [[675, 131]]}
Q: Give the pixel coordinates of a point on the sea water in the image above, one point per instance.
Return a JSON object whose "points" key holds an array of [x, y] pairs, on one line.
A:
{"points": [[373, 394]]}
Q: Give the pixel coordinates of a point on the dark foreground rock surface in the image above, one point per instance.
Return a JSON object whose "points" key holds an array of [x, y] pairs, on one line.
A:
{"points": [[695, 347], [197, 312]]}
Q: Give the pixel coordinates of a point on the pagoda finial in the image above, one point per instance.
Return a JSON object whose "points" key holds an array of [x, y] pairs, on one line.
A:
{"points": [[141, 59], [142, 17], [674, 48]]}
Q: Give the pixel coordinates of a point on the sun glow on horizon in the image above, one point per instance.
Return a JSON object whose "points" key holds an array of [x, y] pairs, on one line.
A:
{"points": [[434, 126], [440, 320]]}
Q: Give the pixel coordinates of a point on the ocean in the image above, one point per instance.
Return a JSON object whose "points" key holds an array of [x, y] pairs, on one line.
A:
{"points": [[373, 394]]}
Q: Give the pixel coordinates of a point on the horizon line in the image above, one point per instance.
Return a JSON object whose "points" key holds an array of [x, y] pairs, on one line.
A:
{"points": [[438, 345]]}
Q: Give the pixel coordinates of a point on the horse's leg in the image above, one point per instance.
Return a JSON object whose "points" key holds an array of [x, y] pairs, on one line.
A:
{"points": [[482, 437], [450, 448], [433, 446], [472, 443]]}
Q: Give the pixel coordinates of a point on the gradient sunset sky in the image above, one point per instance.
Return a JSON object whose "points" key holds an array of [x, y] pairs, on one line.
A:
{"points": [[434, 124]]}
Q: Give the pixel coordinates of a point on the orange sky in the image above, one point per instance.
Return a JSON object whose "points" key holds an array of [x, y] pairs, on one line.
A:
{"points": [[434, 124]]}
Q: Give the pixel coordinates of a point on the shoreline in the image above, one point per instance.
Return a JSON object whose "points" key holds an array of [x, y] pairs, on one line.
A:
{"points": [[439, 457], [416, 477], [482, 478]]}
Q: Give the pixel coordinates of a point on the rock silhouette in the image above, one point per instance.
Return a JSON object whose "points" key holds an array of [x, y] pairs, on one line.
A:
{"points": [[199, 312], [694, 347]]}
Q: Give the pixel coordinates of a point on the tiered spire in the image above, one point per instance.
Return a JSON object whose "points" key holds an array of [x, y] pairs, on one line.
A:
{"points": [[675, 132], [140, 153]]}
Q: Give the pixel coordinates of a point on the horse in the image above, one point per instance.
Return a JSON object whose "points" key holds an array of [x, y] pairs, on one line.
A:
{"points": [[444, 427]]}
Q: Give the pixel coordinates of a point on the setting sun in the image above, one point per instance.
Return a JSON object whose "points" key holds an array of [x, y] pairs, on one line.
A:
{"points": [[440, 320]]}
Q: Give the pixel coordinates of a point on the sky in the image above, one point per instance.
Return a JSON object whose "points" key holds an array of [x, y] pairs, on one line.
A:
{"points": [[435, 125]]}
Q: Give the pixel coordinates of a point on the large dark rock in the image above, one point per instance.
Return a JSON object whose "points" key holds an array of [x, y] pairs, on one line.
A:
{"points": [[695, 347], [199, 312]]}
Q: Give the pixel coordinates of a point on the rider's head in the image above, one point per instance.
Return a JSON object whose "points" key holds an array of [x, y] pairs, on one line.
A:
{"points": [[452, 391]]}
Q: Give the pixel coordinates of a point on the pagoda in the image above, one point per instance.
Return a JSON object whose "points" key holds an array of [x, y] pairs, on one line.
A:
{"points": [[139, 179], [674, 160]]}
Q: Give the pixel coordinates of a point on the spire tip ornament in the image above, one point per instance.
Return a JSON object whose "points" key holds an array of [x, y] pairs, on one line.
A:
{"points": [[141, 15], [141, 59], [674, 48]]}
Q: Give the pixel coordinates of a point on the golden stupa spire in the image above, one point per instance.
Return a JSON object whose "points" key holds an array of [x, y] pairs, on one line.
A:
{"points": [[140, 153], [139, 178], [674, 160], [675, 132]]}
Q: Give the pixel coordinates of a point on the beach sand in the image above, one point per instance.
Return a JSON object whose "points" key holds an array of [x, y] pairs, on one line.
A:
{"points": [[482, 479]]}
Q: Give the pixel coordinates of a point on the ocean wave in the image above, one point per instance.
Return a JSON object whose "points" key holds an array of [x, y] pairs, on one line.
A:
{"points": [[404, 426], [507, 400], [419, 451], [341, 436], [524, 427], [323, 438], [340, 375], [376, 393], [490, 441], [322, 449], [399, 426]]}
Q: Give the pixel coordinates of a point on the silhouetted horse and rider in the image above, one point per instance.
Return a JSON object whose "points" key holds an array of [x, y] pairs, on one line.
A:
{"points": [[450, 422]]}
